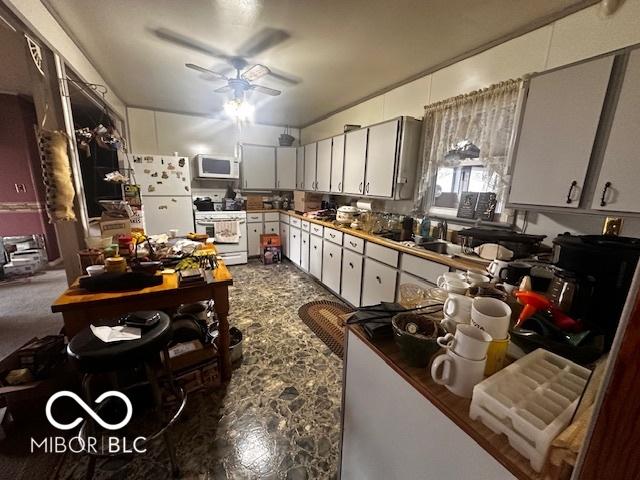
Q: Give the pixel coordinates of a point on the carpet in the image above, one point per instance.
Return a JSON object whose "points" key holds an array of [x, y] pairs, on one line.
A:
{"points": [[323, 318]]}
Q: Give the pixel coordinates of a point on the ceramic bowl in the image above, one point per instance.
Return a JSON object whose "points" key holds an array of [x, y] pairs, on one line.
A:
{"points": [[416, 348]]}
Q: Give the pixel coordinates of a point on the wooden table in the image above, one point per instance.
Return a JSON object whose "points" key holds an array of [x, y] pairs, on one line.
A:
{"points": [[79, 308]]}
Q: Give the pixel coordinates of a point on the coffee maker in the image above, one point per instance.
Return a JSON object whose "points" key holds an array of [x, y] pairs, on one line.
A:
{"points": [[603, 266]]}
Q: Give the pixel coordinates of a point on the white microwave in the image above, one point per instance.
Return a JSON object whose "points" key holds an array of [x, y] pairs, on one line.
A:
{"points": [[217, 166]]}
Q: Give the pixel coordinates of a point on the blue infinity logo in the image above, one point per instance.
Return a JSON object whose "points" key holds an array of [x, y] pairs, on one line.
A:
{"points": [[91, 412]]}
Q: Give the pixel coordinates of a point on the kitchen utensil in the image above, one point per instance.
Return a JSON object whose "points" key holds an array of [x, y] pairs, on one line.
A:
{"points": [[531, 401], [455, 286], [513, 272], [475, 278], [496, 355], [571, 292], [442, 279], [468, 342], [457, 373], [416, 335], [532, 302], [346, 214], [458, 307], [495, 268], [95, 270], [492, 316], [411, 295]]}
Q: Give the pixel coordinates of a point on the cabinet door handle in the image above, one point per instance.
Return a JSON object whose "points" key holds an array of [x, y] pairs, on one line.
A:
{"points": [[331, 255], [301, 185], [367, 187], [315, 247], [571, 187], [351, 264], [360, 187], [379, 279], [332, 235], [278, 183], [353, 244], [604, 192], [245, 184], [339, 186]]}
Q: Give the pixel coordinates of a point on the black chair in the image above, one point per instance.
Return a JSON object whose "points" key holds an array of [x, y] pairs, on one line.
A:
{"points": [[93, 356]]}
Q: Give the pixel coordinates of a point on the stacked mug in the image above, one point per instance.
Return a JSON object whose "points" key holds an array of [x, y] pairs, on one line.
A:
{"points": [[492, 316], [463, 364]]}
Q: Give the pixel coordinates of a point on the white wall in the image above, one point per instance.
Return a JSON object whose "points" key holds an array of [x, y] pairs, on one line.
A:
{"points": [[34, 14], [163, 133], [579, 36]]}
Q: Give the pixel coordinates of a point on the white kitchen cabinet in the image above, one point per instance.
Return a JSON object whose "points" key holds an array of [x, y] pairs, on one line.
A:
{"points": [[331, 266], [381, 159], [323, 166], [284, 238], [617, 185], [310, 156], [351, 277], [337, 163], [304, 251], [315, 256], [258, 167], [417, 441], [294, 245], [300, 168], [556, 134], [378, 282], [422, 268], [271, 227], [254, 230], [286, 160], [355, 157]]}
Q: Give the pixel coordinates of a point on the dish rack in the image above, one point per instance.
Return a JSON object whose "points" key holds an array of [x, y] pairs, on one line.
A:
{"points": [[531, 401]]}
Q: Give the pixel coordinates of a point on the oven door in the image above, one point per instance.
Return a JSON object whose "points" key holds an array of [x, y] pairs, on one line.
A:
{"points": [[208, 227]]}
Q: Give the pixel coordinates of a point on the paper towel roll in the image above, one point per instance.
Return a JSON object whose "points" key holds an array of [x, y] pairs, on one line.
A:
{"points": [[367, 205]]}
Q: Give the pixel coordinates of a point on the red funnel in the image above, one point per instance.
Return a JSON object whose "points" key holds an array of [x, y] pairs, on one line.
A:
{"points": [[532, 302]]}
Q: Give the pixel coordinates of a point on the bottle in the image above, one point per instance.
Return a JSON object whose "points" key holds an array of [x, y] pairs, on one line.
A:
{"points": [[425, 229]]}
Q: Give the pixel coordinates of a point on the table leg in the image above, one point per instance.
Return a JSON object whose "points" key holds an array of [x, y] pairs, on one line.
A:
{"points": [[221, 307], [74, 322]]}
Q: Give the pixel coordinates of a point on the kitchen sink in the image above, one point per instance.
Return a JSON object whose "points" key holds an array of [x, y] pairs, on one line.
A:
{"points": [[435, 246]]}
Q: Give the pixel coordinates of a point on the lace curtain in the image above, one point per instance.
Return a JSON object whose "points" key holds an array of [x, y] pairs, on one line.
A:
{"points": [[486, 118]]}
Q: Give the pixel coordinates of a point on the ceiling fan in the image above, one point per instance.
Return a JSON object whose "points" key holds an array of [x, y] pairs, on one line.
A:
{"points": [[243, 80]]}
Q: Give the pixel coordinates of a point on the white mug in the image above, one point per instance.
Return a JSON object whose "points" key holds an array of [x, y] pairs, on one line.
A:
{"points": [[494, 269], [476, 278], [447, 276], [468, 342], [492, 316], [457, 373], [450, 324], [455, 286], [458, 306]]}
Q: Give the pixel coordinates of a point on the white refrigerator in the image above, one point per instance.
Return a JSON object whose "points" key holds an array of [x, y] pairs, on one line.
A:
{"points": [[165, 191]]}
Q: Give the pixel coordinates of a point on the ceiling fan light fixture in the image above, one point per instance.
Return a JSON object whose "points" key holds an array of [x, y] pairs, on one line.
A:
{"points": [[239, 110]]}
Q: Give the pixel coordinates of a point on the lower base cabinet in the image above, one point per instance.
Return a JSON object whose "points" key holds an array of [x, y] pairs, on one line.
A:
{"points": [[284, 238], [294, 245], [331, 265], [271, 227], [254, 230], [304, 251], [351, 277], [417, 442], [315, 256], [378, 282]]}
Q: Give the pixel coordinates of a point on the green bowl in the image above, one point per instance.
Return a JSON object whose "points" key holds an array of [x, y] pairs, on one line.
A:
{"points": [[416, 348]]}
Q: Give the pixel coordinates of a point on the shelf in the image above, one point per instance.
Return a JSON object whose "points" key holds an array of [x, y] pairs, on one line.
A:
{"points": [[454, 407]]}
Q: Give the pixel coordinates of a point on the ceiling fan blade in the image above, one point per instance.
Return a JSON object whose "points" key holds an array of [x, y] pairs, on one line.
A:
{"points": [[263, 40], [266, 90], [205, 70], [285, 77], [190, 43], [255, 72], [223, 89]]}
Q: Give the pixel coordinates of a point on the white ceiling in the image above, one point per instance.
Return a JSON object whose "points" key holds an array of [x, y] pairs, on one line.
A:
{"points": [[340, 50]]}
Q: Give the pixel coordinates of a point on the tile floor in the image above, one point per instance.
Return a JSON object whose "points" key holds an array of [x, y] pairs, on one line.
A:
{"points": [[279, 417]]}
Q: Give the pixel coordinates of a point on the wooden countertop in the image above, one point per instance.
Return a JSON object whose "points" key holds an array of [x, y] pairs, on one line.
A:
{"points": [[75, 297], [456, 262], [454, 407]]}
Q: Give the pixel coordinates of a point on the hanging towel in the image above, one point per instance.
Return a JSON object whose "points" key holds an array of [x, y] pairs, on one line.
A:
{"points": [[227, 231]]}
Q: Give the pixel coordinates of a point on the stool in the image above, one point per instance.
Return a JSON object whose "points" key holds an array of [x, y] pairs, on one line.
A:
{"points": [[93, 356]]}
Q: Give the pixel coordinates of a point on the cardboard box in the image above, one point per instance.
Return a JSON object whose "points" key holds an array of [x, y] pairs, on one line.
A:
{"points": [[254, 202], [114, 226], [306, 201], [270, 248], [20, 269], [190, 354]]}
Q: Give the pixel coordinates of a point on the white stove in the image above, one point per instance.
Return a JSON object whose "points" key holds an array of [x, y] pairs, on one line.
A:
{"points": [[231, 253]]}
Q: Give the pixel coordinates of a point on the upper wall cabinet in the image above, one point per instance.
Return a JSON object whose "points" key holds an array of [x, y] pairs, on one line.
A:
{"points": [[337, 163], [617, 185], [300, 168], [323, 166], [286, 168], [355, 157], [382, 147], [557, 134], [258, 167], [310, 155]]}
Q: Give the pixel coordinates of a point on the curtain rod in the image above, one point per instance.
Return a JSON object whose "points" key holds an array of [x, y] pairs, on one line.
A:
{"points": [[469, 97]]}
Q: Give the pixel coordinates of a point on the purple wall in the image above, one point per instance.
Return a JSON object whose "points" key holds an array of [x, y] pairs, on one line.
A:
{"points": [[22, 213]]}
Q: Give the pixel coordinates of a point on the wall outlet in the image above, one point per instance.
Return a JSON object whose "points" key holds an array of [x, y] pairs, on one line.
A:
{"points": [[20, 187], [612, 226]]}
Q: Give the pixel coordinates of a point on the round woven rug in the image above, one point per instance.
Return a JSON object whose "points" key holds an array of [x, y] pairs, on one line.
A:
{"points": [[323, 318]]}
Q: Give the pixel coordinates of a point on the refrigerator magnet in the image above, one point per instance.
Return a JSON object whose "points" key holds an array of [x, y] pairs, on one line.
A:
{"points": [[151, 188], [181, 162], [165, 175]]}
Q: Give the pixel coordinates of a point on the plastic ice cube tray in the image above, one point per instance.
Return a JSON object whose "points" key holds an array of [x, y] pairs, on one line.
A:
{"points": [[531, 401]]}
